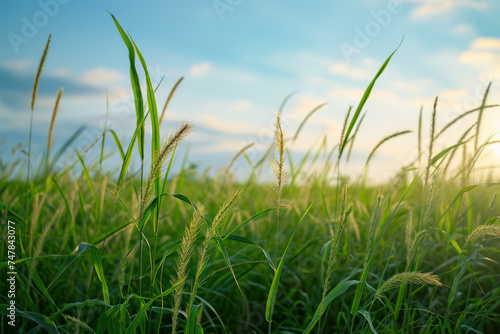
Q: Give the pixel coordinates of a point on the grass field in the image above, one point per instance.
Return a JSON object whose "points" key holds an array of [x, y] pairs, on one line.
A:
{"points": [[311, 251]]}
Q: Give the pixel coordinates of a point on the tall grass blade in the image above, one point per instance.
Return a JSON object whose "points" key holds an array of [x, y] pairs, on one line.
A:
{"points": [[381, 142], [306, 118], [192, 325], [87, 175], [368, 256], [96, 259], [353, 137], [131, 329], [336, 292], [271, 299], [361, 104], [118, 144], [136, 88]]}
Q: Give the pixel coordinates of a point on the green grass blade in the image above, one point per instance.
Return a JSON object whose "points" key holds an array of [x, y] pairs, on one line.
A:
{"points": [[445, 151], [273, 291], [87, 175], [250, 242], [118, 144], [368, 258], [81, 249], [337, 291], [139, 316], [42, 321], [136, 87], [65, 199], [86, 303], [257, 215], [192, 325], [306, 118], [153, 111], [362, 103], [65, 146], [96, 259], [368, 318], [462, 256], [128, 156]]}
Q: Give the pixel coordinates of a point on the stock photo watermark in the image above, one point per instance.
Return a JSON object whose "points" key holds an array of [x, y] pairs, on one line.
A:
{"points": [[11, 273], [381, 19], [222, 7], [31, 24]]}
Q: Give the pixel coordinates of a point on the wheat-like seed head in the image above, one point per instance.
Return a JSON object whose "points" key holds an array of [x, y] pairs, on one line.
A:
{"points": [[121, 273], [414, 277], [168, 145], [39, 73], [209, 243], [225, 207], [184, 254], [408, 237], [431, 140], [53, 120], [482, 231], [278, 163], [415, 244]]}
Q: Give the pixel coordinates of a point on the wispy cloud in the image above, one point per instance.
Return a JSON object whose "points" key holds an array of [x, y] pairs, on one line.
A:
{"points": [[16, 86], [486, 43], [433, 7], [18, 66], [101, 76], [350, 72], [224, 125], [484, 53], [200, 69]]}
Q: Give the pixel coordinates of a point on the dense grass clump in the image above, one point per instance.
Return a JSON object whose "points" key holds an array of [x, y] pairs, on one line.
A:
{"points": [[106, 252]]}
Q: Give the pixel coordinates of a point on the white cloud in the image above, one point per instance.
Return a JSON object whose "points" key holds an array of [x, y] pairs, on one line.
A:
{"points": [[363, 72], [241, 105], [227, 126], [101, 76], [304, 105], [484, 54], [433, 7], [223, 146], [480, 58], [346, 93], [463, 29], [60, 73], [486, 43], [18, 66], [349, 72], [200, 69]]}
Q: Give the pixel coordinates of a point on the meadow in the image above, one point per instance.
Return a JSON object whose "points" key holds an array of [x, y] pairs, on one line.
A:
{"points": [[312, 251]]}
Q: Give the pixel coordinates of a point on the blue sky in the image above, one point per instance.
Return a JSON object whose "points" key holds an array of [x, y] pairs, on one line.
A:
{"points": [[241, 58]]}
